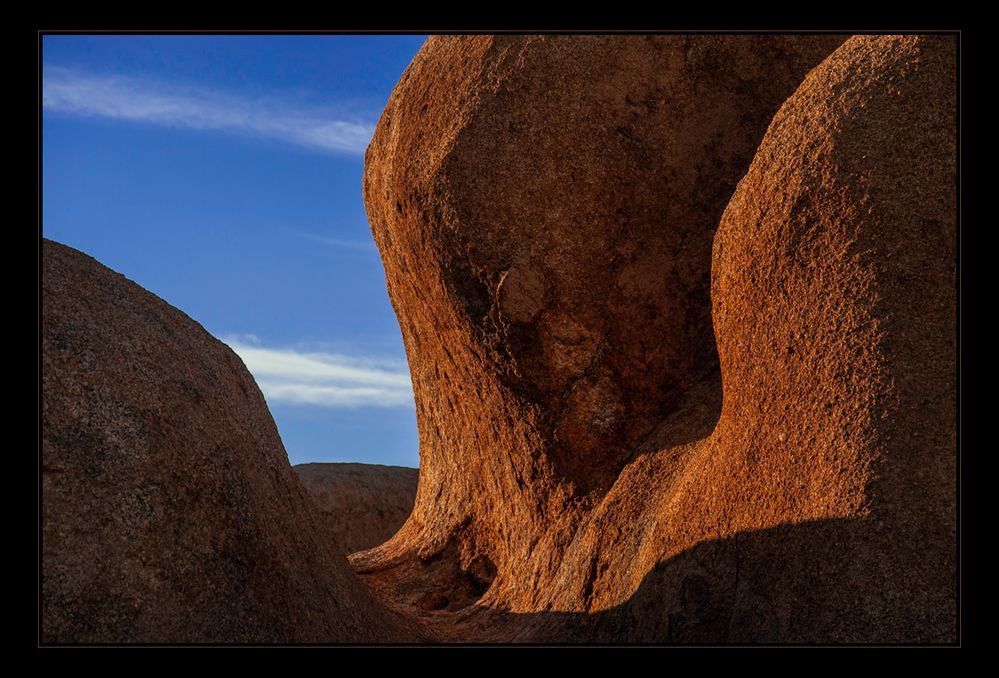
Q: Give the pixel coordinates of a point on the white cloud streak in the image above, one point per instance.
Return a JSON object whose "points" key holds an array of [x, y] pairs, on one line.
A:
{"points": [[356, 245], [325, 379], [72, 92]]}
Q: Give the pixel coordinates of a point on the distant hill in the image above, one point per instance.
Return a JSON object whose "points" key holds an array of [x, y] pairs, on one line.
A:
{"points": [[365, 503]]}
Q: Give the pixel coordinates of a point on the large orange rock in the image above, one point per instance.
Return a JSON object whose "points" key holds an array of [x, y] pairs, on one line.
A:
{"points": [[544, 232], [544, 207], [169, 510], [822, 506]]}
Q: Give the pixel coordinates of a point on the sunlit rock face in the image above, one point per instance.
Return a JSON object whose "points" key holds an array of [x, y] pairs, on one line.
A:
{"points": [[550, 217]]}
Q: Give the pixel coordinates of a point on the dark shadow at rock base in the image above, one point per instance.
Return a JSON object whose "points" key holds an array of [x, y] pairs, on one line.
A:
{"points": [[815, 582]]}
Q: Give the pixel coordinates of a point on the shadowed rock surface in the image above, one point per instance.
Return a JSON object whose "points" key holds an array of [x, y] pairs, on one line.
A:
{"points": [[545, 208], [364, 504], [169, 510]]}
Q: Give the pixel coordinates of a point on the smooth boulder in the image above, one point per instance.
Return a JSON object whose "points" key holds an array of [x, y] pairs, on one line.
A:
{"points": [[170, 513]]}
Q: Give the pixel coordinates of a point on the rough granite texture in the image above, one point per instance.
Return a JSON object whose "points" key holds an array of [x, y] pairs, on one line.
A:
{"points": [[364, 504], [169, 510], [644, 416], [545, 209]]}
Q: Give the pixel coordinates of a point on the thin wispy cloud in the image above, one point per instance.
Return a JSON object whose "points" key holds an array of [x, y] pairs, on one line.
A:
{"points": [[72, 92], [325, 379], [356, 245]]}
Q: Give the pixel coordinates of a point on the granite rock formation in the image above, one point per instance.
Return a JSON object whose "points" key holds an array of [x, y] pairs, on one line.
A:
{"points": [[364, 504], [545, 209], [169, 510], [681, 319]]}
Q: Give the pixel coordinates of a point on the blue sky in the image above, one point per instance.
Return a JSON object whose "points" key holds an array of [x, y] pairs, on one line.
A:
{"points": [[223, 173]]}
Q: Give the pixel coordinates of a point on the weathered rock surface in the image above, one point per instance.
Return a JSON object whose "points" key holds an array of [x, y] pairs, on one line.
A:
{"points": [[822, 505], [545, 208], [169, 510], [591, 469], [364, 504]]}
